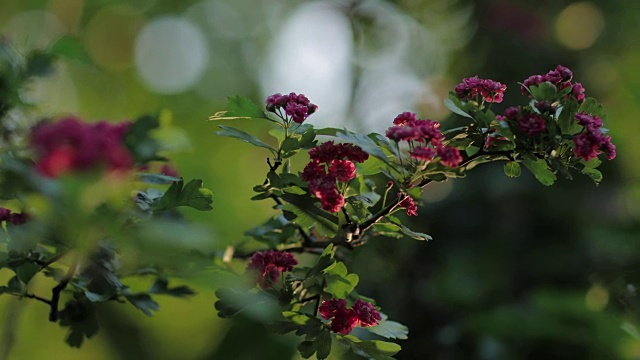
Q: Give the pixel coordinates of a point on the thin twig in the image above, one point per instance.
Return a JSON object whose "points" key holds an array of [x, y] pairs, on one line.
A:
{"points": [[55, 292]]}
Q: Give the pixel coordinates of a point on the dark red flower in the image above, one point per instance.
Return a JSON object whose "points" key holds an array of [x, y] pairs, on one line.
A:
{"points": [[489, 90], [531, 124], [297, 107], [404, 118], [269, 265], [449, 156], [408, 204], [366, 313], [343, 170], [423, 153]]}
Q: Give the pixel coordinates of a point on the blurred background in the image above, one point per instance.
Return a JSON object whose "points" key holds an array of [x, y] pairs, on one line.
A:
{"points": [[515, 271]]}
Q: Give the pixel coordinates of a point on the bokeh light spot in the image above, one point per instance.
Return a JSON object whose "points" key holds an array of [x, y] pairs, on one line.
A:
{"points": [[110, 35], [597, 298], [170, 55], [579, 25]]}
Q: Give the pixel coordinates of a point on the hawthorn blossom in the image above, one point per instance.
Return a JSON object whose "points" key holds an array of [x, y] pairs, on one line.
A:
{"points": [[73, 145], [344, 319], [330, 163], [296, 107], [409, 204], [269, 265], [560, 77], [592, 142], [449, 156], [531, 124], [470, 88]]}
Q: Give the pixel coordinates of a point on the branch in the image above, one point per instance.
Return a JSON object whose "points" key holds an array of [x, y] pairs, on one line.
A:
{"points": [[395, 203], [55, 292]]}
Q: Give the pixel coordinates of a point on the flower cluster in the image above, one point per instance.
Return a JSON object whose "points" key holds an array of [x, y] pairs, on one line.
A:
{"points": [[269, 265], [331, 162], [592, 142], [11, 217], [528, 123], [470, 88], [297, 107], [344, 319], [560, 77], [409, 128], [73, 145]]}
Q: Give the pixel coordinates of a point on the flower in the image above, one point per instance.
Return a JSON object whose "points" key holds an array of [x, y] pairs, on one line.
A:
{"points": [[344, 319], [408, 204], [449, 156], [470, 88], [423, 153], [592, 142], [330, 163], [73, 145], [531, 124], [5, 214], [269, 265], [296, 107], [404, 118], [343, 170], [366, 313]]}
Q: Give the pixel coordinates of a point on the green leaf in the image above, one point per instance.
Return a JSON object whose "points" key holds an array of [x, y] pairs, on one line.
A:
{"points": [[540, 169], [243, 136], [451, 105], [472, 150], [339, 282], [27, 271], [323, 345], [139, 141], [71, 48], [160, 179], [593, 107], [388, 230], [512, 169], [390, 330], [192, 195], [594, 174], [307, 349], [325, 260], [372, 349], [143, 302], [240, 107], [545, 91], [161, 286], [307, 214], [415, 235], [79, 316], [364, 142], [566, 119]]}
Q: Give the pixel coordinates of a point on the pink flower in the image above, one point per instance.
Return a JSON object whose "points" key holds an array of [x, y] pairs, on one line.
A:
{"points": [[404, 118], [408, 204], [344, 319], [72, 145], [366, 313], [343, 170], [531, 124], [423, 153], [449, 156], [269, 265], [470, 88], [297, 107]]}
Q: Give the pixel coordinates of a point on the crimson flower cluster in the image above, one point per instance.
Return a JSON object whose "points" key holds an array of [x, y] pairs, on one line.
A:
{"points": [[344, 319], [470, 88], [269, 265], [592, 142], [409, 128], [12, 217], [297, 107], [528, 123], [560, 77], [73, 145], [330, 163]]}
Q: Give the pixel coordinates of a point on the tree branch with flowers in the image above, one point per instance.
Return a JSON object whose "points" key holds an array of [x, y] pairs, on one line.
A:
{"points": [[93, 209], [352, 186]]}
